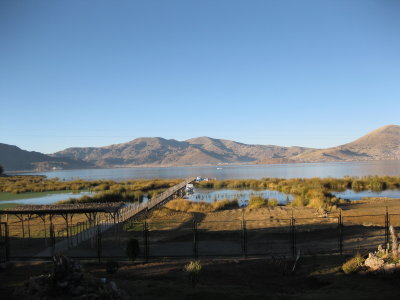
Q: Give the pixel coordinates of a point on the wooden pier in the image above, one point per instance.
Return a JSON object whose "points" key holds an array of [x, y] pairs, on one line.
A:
{"points": [[114, 218]]}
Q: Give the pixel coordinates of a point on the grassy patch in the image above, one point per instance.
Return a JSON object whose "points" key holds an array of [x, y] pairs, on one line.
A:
{"points": [[353, 264], [202, 207], [316, 278], [258, 202]]}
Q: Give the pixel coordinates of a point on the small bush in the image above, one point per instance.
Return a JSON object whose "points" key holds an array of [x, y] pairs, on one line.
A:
{"points": [[353, 264], [257, 202], [193, 270], [272, 202], [317, 203], [189, 206], [226, 204], [132, 249], [111, 267]]}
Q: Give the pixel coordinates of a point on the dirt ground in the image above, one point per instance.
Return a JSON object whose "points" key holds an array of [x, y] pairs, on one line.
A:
{"points": [[220, 233], [313, 278], [261, 276]]}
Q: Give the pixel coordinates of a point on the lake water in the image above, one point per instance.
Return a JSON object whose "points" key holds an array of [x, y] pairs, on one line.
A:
{"points": [[209, 195], [352, 195], [336, 170], [47, 199], [243, 196]]}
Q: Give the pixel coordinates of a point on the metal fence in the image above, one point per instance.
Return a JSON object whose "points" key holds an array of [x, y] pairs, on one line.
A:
{"points": [[200, 238], [4, 243]]}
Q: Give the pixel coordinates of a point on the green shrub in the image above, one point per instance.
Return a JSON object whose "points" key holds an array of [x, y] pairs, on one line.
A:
{"points": [[272, 202], [193, 270], [353, 264], [132, 249], [189, 206], [257, 202], [226, 204]]}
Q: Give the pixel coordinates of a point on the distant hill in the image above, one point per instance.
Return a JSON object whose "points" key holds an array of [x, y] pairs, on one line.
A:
{"points": [[381, 144], [159, 151], [13, 158]]}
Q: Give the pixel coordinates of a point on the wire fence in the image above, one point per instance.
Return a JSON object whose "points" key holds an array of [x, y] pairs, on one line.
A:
{"points": [[200, 238]]}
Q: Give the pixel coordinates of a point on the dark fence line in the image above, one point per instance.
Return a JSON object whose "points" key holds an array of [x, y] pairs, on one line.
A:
{"points": [[197, 238]]}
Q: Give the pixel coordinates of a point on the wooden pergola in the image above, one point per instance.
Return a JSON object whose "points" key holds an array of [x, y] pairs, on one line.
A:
{"points": [[66, 211]]}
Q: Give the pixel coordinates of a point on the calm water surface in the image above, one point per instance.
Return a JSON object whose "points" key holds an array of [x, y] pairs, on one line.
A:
{"points": [[48, 199], [243, 196], [352, 195], [337, 170], [209, 195]]}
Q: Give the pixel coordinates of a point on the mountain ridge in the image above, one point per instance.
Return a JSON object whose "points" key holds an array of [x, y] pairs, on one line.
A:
{"points": [[13, 158], [380, 144]]}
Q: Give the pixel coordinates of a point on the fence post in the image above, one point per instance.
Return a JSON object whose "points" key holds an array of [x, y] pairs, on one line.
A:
{"points": [[195, 240], [146, 240], [244, 239], [7, 240], [52, 240], [386, 228], [293, 236], [340, 233], [98, 242]]}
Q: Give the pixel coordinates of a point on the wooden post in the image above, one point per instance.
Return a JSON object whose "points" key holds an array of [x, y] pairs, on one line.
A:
{"points": [[340, 233], [21, 218], [115, 227], [65, 216], [29, 226]]}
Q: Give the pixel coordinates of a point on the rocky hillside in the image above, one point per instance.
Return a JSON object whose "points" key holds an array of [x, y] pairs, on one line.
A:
{"points": [[159, 151], [380, 144], [13, 158]]}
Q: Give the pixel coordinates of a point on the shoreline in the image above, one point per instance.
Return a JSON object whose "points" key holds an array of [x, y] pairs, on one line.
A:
{"points": [[22, 172]]}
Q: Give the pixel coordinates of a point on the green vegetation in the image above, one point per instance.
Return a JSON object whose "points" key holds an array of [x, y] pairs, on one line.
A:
{"points": [[258, 201], [193, 270], [188, 206], [311, 192], [24, 184], [225, 204], [353, 265], [191, 206], [297, 185], [19, 187]]}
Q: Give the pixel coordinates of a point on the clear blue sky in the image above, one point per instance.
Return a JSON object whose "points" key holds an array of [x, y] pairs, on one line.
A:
{"points": [[93, 73]]}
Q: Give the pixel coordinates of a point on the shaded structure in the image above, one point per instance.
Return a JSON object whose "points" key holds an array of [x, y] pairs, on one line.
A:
{"points": [[100, 218], [66, 211]]}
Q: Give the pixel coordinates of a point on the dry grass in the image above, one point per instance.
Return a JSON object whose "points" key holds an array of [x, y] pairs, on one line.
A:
{"points": [[201, 207], [258, 202], [189, 206]]}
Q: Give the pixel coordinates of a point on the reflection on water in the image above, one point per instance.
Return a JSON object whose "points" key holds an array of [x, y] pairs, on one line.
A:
{"points": [[337, 170], [243, 196], [352, 195], [48, 199]]}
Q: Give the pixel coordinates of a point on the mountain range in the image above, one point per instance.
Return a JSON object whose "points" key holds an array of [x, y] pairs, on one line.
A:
{"points": [[380, 144]]}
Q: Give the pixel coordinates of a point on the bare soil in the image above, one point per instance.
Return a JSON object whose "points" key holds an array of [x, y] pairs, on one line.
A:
{"points": [[314, 278]]}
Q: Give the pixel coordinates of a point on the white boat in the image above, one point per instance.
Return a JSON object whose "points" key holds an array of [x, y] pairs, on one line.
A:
{"points": [[189, 188]]}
